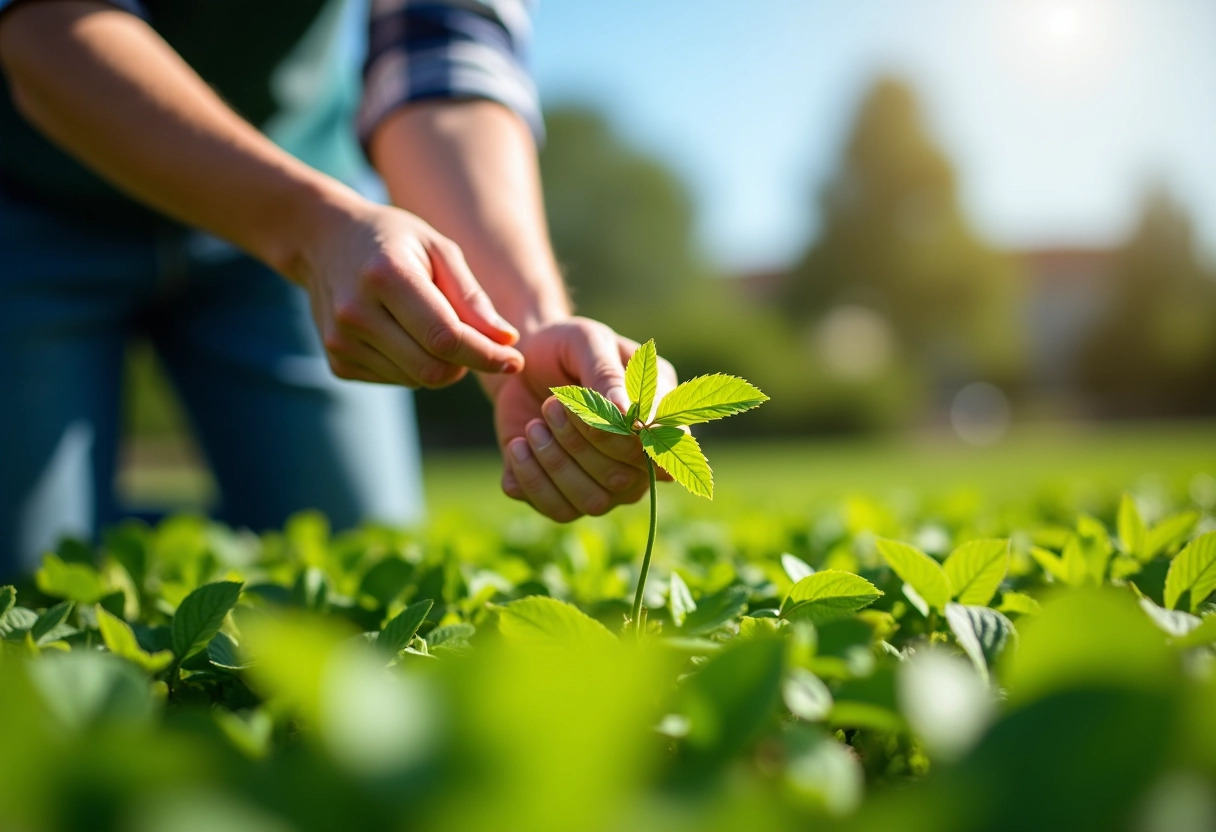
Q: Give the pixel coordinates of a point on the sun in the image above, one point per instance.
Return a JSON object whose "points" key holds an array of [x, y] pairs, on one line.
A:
{"points": [[1060, 43]]}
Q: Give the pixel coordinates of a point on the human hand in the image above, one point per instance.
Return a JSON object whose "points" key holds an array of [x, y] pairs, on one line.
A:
{"points": [[564, 468], [396, 303]]}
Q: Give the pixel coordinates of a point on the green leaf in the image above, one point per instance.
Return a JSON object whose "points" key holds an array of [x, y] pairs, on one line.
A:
{"points": [[223, 652], [592, 408], [1194, 568], [50, 619], [678, 454], [796, 568], [1132, 533], [1168, 532], [546, 621], [17, 620], [828, 595], [924, 573], [716, 609], [976, 570], [982, 632], [806, 695], [199, 616], [1203, 634], [79, 582], [679, 600], [642, 378], [451, 636], [705, 398], [398, 632], [1020, 603], [1174, 622], [120, 641], [8, 597]]}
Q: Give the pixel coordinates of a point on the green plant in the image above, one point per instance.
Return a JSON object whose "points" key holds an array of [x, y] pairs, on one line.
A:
{"points": [[662, 431]]}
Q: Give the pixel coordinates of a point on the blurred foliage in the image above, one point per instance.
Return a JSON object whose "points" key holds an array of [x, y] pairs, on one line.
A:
{"points": [[894, 242], [798, 671], [1153, 353], [895, 306]]}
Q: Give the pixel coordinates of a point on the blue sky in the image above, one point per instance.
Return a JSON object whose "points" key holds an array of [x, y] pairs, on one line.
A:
{"points": [[1056, 113]]}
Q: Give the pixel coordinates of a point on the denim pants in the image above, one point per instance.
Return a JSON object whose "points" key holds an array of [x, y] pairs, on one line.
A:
{"points": [[279, 431]]}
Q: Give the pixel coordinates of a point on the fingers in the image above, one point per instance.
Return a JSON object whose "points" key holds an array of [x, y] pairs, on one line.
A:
{"points": [[594, 359], [535, 485], [596, 449], [472, 305], [422, 310]]}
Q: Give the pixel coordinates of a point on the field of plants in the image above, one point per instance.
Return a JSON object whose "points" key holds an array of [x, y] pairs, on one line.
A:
{"points": [[861, 639]]}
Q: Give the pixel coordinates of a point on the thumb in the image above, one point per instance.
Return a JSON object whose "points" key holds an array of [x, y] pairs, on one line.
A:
{"points": [[595, 361], [456, 282]]}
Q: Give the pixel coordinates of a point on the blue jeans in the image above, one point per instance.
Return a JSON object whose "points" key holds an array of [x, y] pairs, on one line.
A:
{"points": [[280, 432]]}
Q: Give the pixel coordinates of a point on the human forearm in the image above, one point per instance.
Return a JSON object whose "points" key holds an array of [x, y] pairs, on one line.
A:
{"points": [[469, 168], [104, 86]]}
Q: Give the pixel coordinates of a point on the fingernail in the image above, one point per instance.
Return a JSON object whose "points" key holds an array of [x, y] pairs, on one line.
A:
{"points": [[505, 325], [555, 413], [519, 450], [539, 435]]}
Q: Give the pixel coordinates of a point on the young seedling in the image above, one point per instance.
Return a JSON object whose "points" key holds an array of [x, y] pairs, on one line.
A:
{"points": [[663, 431]]}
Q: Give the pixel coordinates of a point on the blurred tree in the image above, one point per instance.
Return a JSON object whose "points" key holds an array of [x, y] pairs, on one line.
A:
{"points": [[1154, 352], [895, 243], [621, 222]]}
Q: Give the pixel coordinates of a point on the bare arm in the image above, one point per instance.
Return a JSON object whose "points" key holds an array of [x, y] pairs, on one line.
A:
{"points": [[470, 168], [393, 299]]}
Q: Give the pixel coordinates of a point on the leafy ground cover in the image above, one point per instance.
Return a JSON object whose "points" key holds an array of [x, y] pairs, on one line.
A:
{"points": [[933, 658]]}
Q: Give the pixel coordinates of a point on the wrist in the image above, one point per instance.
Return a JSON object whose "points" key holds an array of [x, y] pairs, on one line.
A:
{"points": [[307, 216]]}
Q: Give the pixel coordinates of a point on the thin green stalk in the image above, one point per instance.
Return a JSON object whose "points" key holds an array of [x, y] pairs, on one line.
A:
{"points": [[654, 520]]}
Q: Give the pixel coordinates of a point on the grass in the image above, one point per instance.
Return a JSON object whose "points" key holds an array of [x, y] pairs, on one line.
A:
{"points": [[789, 475]]}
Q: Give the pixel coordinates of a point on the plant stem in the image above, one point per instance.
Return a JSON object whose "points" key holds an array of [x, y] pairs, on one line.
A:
{"points": [[654, 520]]}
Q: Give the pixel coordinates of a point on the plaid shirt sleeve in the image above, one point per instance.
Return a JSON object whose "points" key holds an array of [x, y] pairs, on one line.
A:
{"points": [[420, 49]]}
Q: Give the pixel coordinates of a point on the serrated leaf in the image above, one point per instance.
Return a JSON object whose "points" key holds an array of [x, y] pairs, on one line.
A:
{"points": [[592, 408], [120, 640], [796, 567], [925, 574], [678, 454], [199, 616], [398, 632], [8, 597], [1132, 533], [976, 569], [705, 398], [716, 609], [49, 620], [679, 600], [828, 595], [546, 621], [642, 378], [1194, 568], [981, 632], [1169, 531]]}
